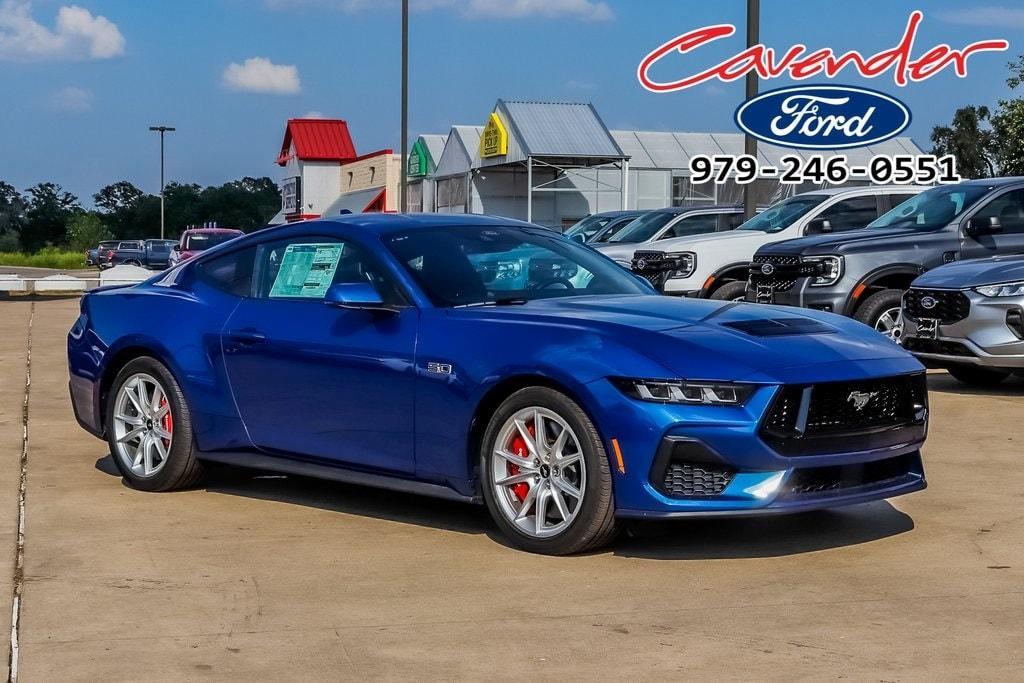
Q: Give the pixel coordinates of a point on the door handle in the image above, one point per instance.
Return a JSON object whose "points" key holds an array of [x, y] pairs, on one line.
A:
{"points": [[247, 337]]}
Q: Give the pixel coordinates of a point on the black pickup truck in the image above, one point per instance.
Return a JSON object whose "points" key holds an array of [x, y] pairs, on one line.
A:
{"points": [[152, 254]]}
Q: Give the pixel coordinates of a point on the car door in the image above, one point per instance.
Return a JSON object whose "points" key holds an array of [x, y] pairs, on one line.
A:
{"points": [[687, 226], [852, 213], [1008, 209], [316, 381]]}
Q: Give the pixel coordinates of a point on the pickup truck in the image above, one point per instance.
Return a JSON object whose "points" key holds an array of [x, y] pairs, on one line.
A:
{"points": [[152, 254], [94, 256], [865, 273]]}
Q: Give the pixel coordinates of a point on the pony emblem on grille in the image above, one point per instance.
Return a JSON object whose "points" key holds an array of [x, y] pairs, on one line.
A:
{"points": [[861, 399]]}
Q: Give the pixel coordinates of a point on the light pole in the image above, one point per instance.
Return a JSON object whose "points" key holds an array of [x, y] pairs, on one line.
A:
{"points": [[749, 141], [404, 207], [162, 130]]}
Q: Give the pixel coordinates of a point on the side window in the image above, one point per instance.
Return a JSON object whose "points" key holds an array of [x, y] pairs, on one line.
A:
{"points": [[306, 267], [729, 221], [897, 199], [851, 214], [231, 273], [692, 225], [1009, 209]]}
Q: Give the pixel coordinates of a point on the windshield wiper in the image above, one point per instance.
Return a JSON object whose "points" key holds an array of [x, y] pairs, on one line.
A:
{"points": [[506, 301]]}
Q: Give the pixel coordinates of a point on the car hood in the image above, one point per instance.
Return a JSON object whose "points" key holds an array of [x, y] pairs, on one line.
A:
{"points": [[733, 238], [620, 251], [837, 243], [963, 274], [713, 340]]}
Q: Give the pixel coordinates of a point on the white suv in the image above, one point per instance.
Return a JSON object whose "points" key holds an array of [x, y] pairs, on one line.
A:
{"points": [[716, 266]]}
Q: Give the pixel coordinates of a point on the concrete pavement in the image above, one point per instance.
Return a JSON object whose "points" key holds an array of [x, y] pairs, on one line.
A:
{"points": [[285, 578]]}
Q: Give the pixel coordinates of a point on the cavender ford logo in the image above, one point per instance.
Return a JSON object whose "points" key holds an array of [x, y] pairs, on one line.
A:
{"points": [[861, 399]]}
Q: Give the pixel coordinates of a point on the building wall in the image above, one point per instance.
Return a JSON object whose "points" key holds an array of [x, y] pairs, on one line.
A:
{"points": [[320, 181], [382, 170]]}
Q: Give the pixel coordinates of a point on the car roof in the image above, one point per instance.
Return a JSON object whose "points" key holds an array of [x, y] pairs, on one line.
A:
{"points": [[384, 223], [193, 231], [832, 191]]}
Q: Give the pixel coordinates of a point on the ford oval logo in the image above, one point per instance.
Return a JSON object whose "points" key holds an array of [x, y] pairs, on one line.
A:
{"points": [[767, 269], [823, 116], [929, 303]]}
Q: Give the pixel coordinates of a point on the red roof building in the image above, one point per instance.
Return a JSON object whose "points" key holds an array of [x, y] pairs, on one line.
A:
{"points": [[317, 140]]}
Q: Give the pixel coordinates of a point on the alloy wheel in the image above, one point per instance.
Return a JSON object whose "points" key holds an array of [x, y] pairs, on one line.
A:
{"points": [[143, 426], [890, 323], [538, 473]]}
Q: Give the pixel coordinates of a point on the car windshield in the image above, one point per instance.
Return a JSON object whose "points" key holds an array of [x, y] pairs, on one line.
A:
{"points": [[932, 209], [468, 265], [204, 240], [588, 227], [613, 229], [778, 217], [644, 228]]}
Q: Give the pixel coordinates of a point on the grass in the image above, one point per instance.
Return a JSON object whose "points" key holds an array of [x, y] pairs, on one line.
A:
{"points": [[49, 257]]}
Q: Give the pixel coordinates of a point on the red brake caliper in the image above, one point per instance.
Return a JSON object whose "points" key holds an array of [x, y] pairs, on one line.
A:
{"points": [[168, 422], [518, 446]]}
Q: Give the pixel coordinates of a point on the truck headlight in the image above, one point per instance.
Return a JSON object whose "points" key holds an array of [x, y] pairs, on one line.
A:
{"points": [[1005, 289], [686, 262], [828, 269], [694, 393]]}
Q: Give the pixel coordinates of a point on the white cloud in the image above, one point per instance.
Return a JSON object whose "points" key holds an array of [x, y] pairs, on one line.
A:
{"points": [[72, 99], [588, 10], [314, 115], [77, 35], [260, 75], [993, 15]]}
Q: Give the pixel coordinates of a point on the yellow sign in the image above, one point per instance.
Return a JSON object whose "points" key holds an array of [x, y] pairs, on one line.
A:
{"points": [[494, 141]]}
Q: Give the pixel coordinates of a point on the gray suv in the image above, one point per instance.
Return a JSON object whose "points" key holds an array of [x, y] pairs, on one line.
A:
{"points": [[968, 317], [864, 273]]}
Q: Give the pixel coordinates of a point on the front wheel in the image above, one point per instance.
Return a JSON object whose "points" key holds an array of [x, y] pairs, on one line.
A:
{"points": [[149, 428], [731, 291], [545, 474], [881, 311]]}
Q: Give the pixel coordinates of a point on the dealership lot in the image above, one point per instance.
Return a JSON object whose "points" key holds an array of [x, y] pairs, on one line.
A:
{"points": [[288, 578]]}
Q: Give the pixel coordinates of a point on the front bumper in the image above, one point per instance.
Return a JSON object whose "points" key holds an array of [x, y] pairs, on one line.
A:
{"points": [[832, 298], [760, 480], [983, 338]]}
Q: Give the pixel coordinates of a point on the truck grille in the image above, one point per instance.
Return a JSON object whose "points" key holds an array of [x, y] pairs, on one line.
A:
{"points": [[868, 414], [783, 271], [946, 306], [654, 267]]}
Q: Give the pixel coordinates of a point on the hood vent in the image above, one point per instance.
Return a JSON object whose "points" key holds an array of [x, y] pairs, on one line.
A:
{"points": [[780, 327]]}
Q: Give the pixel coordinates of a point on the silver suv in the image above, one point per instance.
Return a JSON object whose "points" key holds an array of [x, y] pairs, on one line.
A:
{"points": [[968, 317]]}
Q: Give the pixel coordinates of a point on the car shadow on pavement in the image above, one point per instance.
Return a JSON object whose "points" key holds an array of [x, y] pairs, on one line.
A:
{"points": [[722, 538], [767, 536], [1011, 387]]}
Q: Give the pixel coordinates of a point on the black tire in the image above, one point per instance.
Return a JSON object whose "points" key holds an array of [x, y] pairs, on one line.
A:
{"points": [[182, 468], [877, 304], [730, 291], [595, 524], [978, 377]]}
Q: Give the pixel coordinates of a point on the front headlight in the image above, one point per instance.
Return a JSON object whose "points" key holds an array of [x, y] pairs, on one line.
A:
{"points": [[692, 393], [828, 269], [1005, 289], [686, 262]]}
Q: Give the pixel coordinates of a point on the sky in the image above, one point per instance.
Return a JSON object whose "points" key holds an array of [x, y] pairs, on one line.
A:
{"points": [[82, 80]]}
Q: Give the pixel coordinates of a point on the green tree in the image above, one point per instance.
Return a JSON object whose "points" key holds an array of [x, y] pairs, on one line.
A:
{"points": [[12, 217], [969, 141], [245, 204], [49, 209], [85, 231], [1008, 125], [123, 210]]}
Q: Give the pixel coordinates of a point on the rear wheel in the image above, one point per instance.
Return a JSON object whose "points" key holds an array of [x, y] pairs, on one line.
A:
{"points": [[881, 311], [149, 428], [730, 291], [545, 474], [978, 377]]}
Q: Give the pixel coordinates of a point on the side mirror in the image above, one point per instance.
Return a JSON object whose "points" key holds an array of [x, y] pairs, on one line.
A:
{"points": [[579, 237], [361, 296], [819, 226], [978, 226]]}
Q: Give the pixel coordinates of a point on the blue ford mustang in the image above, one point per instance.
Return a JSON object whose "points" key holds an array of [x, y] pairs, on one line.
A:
{"points": [[390, 350]]}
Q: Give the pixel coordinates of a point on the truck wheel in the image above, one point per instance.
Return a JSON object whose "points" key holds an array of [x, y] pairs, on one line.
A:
{"points": [[881, 311], [978, 377], [730, 291]]}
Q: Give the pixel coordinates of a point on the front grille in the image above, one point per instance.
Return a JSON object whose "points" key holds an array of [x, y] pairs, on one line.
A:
{"points": [[689, 480], [806, 419], [838, 478], [654, 266], [784, 271], [935, 346], [946, 306]]}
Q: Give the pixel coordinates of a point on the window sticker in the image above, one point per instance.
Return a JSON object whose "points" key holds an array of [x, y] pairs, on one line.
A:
{"points": [[306, 271]]}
